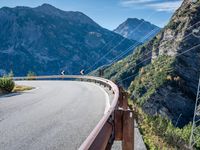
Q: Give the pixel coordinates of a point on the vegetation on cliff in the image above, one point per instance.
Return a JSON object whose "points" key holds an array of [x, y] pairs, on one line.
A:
{"points": [[161, 77]]}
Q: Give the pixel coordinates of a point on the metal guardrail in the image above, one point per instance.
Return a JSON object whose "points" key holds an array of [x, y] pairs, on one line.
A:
{"points": [[112, 125]]}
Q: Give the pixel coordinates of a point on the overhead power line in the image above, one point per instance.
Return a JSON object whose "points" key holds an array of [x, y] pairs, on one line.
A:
{"points": [[177, 55], [117, 44]]}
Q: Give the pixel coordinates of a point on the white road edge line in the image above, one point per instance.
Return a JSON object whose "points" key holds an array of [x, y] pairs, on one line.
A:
{"points": [[99, 86], [107, 103], [107, 99]]}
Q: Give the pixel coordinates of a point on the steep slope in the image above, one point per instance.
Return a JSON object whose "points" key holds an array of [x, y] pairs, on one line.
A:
{"points": [[136, 29], [46, 40], [173, 53], [162, 75]]}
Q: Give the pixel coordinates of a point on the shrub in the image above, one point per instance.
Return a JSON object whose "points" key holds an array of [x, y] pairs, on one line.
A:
{"points": [[151, 78], [6, 84], [31, 75], [11, 74], [160, 133]]}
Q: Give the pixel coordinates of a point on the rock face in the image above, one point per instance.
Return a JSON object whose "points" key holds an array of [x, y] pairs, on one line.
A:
{"points": [[136, 29], [46, 40], [171, 103], [162, 75], [180, 40]]}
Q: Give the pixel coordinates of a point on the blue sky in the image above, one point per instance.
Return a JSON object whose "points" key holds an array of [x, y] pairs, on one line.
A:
{"points": [[110, 13]]}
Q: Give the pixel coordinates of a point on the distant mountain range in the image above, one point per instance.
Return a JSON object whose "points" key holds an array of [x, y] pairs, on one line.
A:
{"points": [[138, 30], [46, 40]]}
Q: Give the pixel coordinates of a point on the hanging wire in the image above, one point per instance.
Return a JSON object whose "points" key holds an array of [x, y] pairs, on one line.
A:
{"points": [[177, 55], [120, 42]]}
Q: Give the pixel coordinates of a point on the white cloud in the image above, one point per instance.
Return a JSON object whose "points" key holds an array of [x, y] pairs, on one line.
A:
{"points": [[126, 2], [166, 6], [158, 5]]}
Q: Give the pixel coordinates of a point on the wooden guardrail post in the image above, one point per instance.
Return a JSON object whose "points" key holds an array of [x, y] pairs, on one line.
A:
{"points": [[119, 117], [118, 125], [101, 72], [124, 122], [128, 131]]}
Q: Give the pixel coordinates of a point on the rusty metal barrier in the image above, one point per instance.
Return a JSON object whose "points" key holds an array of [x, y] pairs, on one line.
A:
{"points": [[116, 124]]}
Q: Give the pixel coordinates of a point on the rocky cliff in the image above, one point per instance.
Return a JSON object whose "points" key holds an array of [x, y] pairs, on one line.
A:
{"points": [[162, 75]]}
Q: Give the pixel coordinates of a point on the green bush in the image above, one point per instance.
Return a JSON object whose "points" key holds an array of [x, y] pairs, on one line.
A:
{"points": [[11, 74], [151, 77], [31, 75], [6, 85], [160, 133]]}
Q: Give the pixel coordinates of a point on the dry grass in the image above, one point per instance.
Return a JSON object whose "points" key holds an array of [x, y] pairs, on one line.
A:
{"points": [[21, 88]]}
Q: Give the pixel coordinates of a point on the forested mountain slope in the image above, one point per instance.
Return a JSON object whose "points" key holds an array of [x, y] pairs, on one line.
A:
{"points": [[162, 77], [46, 40]]}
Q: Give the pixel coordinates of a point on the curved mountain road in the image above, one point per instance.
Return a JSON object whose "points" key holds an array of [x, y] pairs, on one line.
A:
{"points": [[57, 115]]}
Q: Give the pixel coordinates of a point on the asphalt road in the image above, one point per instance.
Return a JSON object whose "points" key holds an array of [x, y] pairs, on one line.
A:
{"points": [[57, 115]]}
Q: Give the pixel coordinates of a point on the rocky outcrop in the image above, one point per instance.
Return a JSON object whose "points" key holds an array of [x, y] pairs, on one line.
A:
{"points": [[179, 40], [171, 103], [163, 74]]}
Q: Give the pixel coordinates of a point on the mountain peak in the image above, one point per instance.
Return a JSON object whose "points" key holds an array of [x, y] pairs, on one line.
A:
{"points": [[47, 7], [50, 10], [143, 28], [53, 40], [132, 19], [136, 21]]}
